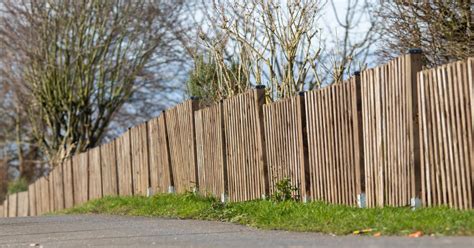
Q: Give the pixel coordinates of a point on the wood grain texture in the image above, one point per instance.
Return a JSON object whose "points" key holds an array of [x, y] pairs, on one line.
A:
{"points": [[45, 195], [108, 162], [245, 155], [58, 187], [95, 174], [80, 168], [31, 199], [5, 207], [23, 204], [13, 205], [446, 134], [333, 143], [140, 166], [124, 164], [389, 119], [160, 176], [283, 129], [210, 150], [68, 183], [181, 140]]}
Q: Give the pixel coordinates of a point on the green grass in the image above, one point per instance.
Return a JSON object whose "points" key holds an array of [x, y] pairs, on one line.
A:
{"points": [[292, 216]]}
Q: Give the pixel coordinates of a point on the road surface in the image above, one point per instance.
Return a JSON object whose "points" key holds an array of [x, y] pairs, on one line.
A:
{"points": [[119, 231]]}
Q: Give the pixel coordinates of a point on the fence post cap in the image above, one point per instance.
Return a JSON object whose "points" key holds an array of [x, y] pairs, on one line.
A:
{"points": [[301, 93], [356, 73], [415, 51], [260, 86]]}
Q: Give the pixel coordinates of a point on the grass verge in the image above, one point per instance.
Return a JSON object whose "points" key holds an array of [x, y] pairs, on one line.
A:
{"points": [[291, 216]]}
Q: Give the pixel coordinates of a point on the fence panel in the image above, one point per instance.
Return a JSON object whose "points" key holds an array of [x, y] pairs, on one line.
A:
{"points": [[446, 134], [32, 199], [80, 169], [160, 176], [124, 164], [95, 174], [283, 130], [389, 110], [2, 211], [38, 195], [13, 205], [68, 183], [58, 187], [139, 146], [23, 204], [108, 162], [210, 150], [333, 143], [5, 207], [180, 130], [45, 195], [244, 144]]}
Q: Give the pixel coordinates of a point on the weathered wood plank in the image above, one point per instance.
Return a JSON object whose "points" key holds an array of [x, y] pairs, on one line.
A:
{"points": [[140, 166], [124, 164], [181, 139], [95, 174], [80, 168], [23, 204], [160, 176], [108, 162]]}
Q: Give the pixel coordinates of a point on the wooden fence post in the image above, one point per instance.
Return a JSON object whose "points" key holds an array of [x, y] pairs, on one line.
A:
{"points": [[415, 65], [359, 147], [260, 101]]}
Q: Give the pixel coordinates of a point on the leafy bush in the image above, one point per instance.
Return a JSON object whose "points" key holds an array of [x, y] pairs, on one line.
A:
{"points": [[284, 191], [18, 185]]}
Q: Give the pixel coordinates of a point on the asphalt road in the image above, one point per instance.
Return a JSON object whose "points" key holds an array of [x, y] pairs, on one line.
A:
{"points": [[115, 231]]}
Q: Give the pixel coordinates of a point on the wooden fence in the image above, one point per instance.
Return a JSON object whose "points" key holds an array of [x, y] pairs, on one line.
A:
{"points": [[446, 134], [246, 171], [182, 145], [283, 129], [388, 119], [160, 165], [390, 133], [211, 150], [332, 123]]}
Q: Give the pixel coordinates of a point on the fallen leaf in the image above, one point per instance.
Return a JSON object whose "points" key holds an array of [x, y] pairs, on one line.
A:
{"points": [[377, 234], [362, 231], [416, 234]]}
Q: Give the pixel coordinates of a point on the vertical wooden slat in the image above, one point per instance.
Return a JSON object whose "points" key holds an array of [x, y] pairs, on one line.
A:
{"points": [[284, 143], [124, 164], [181, 138], [31, 200], [5, 207], [13, 205], [210, 150], [68, 180], [108, 162], [446, 135], [140, 167], [23, 206], [58, 187], [80, 167], [95, 174], [160, 177]]}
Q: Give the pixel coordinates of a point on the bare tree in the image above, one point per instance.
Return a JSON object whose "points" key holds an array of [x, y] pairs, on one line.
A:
{"points": [[281, 44], [442, 29], [74, 64]]}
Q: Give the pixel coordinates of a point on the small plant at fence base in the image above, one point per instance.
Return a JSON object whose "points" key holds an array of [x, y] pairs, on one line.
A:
{"points": [[285, 191]]}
